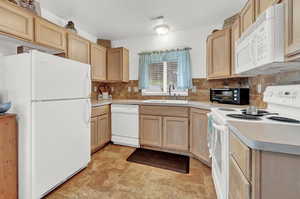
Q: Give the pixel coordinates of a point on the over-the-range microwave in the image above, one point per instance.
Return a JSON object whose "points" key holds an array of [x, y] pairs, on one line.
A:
{"points": [[260, 50]]}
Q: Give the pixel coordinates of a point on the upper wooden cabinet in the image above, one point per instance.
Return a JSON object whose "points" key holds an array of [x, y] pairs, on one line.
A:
{"points": [[15, 21], [118, 64], [98, 62], [49, 34], [235, 35], [78, 48], [247, 15], [198, 134], [219, 54], [292, 29], [262, 5]]}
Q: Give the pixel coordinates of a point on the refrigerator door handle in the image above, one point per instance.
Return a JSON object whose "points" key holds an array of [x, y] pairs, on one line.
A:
{"points": [[88, 113], [88, 83]]}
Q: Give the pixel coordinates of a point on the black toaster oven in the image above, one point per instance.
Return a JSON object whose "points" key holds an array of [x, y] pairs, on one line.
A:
{"points": [[238, 96]]}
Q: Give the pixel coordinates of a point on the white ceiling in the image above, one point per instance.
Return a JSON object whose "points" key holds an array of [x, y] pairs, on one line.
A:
{"points": [[119, 19]]}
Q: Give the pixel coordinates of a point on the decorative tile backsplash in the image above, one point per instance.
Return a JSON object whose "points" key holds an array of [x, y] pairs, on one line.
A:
{"points": [[128, 90]]}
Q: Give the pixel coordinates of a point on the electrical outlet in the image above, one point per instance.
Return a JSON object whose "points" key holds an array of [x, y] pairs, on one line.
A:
{"points": [[129, 89], [112, 89], [95, 89], [194, 89], [259, 88], [136, 89]]}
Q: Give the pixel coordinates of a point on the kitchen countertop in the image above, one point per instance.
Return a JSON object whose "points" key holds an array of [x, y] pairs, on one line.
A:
{"points": [[192, 104], [274, 137]]}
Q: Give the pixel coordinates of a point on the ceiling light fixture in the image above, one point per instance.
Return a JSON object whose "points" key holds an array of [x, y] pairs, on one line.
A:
{"points": [[161, 28]]}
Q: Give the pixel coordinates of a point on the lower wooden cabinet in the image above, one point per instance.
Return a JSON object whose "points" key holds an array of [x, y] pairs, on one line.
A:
{"points": [[239, 187], [176, 133], [8, 157], [151, 130], [100, 129], [159, 128], [198, 134]]}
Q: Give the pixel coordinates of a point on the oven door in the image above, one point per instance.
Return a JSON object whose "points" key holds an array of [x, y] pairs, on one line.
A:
{"points": [[220, 154]]}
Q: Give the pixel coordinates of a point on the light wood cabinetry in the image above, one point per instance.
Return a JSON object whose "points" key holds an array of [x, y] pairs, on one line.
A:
{"points": [[98, 62], [165, 128], [198, 134], [235, 35], [239, 187], [176, 133], [78, 48], [262, 5], [260, 174], [9, 157], [247, 15], [16, 22], [241, 154], [151, 130], [219, 54], [118, 64], [292, 29], [49, 34], [100, 127]]}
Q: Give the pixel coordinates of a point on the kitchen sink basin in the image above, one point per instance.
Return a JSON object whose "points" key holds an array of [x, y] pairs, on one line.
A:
{"points": [[166, 101]]}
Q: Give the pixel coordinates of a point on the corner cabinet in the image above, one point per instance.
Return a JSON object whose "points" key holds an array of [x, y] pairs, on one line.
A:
{"points": [[247, 15], [262, 5], [50, 35], [118, 65], [98, 62], [198, 134], [100, 127], [78, 48], [292, 29], [15, 21], [219, 54]]}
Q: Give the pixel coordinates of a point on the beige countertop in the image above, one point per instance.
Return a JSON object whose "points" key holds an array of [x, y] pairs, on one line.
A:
{"points": [[192, 104], [274, 137]]}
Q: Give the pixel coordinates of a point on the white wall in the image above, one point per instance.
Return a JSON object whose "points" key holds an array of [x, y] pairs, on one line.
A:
{"points": [[196, 39]]}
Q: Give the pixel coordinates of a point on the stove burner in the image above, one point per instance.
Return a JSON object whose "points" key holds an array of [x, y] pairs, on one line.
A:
{"points": [[226, 109], [260, 113], [244, 117], [284, 119]]}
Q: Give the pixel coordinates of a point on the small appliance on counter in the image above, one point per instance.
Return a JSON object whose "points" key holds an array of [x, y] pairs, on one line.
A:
{"points": [[237, 96]]}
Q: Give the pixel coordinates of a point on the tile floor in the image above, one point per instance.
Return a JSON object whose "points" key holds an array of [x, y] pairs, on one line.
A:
{"points": [[110, 176]]}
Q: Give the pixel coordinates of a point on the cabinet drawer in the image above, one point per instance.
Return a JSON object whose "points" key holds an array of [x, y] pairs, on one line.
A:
{"points": [[164, 111], [101, 110], [241, 154], [239, 187], [16, 21]]}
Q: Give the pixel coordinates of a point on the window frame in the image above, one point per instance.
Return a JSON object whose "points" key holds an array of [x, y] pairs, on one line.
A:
{"points": [[165, 92]]}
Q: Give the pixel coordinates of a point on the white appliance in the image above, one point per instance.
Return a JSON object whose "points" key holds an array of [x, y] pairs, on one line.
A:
{"points": [[51, 96], [260, 50], [283, 108], [125, 125], [219, 152]]}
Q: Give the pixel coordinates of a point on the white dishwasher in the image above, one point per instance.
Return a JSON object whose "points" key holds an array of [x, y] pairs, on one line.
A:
{"points": [[125, 125]]}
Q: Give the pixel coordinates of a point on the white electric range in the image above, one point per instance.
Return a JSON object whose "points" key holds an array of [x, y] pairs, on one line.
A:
{"points": [[283, 108]]}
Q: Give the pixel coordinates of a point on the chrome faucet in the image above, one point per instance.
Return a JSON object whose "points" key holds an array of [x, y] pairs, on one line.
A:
{"points": [[171, 87]]}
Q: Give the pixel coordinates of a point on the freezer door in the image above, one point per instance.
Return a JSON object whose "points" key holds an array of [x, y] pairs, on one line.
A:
{"points": [[60, 142], [54, 77]]}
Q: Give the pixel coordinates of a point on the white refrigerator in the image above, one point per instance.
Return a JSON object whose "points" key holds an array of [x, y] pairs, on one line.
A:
{"points": [[51, 96]]}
